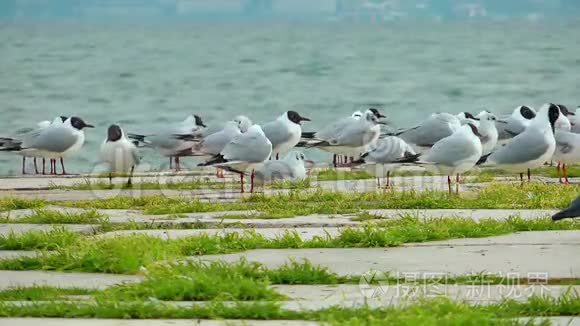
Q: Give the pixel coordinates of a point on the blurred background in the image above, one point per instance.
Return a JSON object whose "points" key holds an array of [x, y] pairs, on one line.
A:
{"points": [[145, 63]]}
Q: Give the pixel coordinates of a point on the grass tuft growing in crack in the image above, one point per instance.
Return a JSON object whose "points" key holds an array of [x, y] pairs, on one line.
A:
{"points": [[56, 238], [438, 311], [297, 202], [334, 175], [38, 293], [118, 254], [43, 216], [199, 281], [9, 204]]}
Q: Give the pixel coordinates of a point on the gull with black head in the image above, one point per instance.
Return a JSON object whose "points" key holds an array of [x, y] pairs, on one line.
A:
{"points": [[284, 133], [531, 148], [452, 155], [119, 153]]}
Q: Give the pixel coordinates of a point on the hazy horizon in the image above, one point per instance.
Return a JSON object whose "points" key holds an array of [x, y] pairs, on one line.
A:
{"points": [[320, 10]]}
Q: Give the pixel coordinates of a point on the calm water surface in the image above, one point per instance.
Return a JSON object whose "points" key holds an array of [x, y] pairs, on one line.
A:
{"points": [[144, 76]]}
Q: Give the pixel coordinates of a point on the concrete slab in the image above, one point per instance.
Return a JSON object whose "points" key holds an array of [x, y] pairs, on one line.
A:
{"points": [[475, 214], [20, 213], [529, 238], [377, 295], [11, 254], [554, 321], [416, 183], [75, 195], [549, 258], [146, 322], [268, 233], [6, 229], [125, 216], [9, 279], [48, 182]]}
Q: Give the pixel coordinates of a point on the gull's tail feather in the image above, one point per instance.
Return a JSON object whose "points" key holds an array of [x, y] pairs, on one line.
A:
{"points": [[321, 143], [409, 158], [187, 137], [139, 140], [138, 137], [308, 134], [361, 159], [214, 160], [483, 159], [10, 144]]}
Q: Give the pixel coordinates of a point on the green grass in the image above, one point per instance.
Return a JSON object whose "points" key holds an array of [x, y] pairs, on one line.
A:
{"points": [[118, 254], [333, 175], [438, 311], [43, 216], [288, 184], [203, 281], [9, 204], [39, 293], [197, 281], [296, 203], [552, 172], [193, 184], [54, 239]]}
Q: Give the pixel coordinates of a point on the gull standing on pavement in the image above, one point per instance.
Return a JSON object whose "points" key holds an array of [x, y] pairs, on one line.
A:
{"points": [[353, 137], [436, 127], [292, 167], [567, 152], [56, 141], [243, 153], [284, 133], [28, 135], [529, 149], [212, 144], [337, 128], [168, 145], [488, 130], [378, 161], [452, 155], [119, 153]]}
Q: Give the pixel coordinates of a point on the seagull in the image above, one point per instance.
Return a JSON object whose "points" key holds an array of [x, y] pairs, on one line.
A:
{"points": [[567, 151], [337, 128], [244, 123], [436, 127], [563, 123], [572, 211], [455, 154], [27, 134], [575, 121], [516, 123], [284, 133], [529, 149], [165, 142], [56, 141], [212, 144], [466, 117], [378, 161], [291, 167], [488, 131], [352, 137], [119, 153], [243, 153]]}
